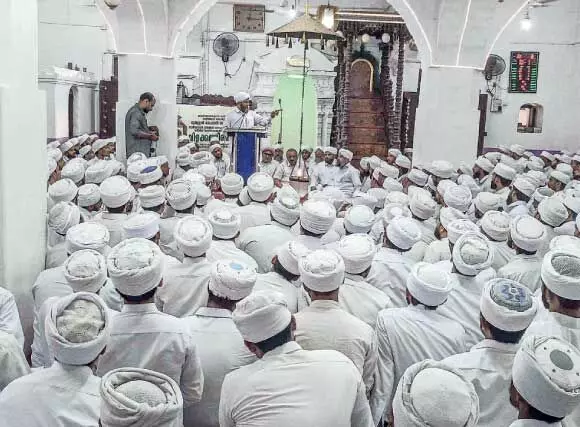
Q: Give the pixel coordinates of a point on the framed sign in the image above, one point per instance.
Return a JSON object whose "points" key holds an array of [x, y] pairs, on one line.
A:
{"points": [[524, 72], [249, 18]]}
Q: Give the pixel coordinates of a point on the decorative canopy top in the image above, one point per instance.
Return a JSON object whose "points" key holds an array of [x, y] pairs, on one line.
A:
{"points": [[305, 26]]}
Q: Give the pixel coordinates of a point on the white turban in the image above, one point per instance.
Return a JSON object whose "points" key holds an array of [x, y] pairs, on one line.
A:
{"points": [[546, 373], [136, 157], [63, 190], [392, 211], [458, 197], [386, 170], [403, 161], [359, 219], [150, 174], [67, 145], [55, 154], [98, 144], [241, 97], [553, 212], [364, 163], [364, 199], [536, 177], [88, 195], [86, 271], [397, 197], [429, 284], [403, 232], [260, 186], [564, 158], [548, 156], [517, 149], [422, 206], [458, 227], [535, 164], [134, 170], [322, 270], [417, 177], [116, 191], [180, 194], [88, 235], [484, 164], [208, 170], [572, 203], [446, 215], [468, 182], [441, 169], [289, 255], [261, 315], [374, 162], [152, 196], [231, 280], [183, 158], [378, 193], [63, 216], [392, 185], [561, 272], [560, 176], [193, 236], [225, 223], [493, 156], [504, 171], [527, 233], [200, 158], [431, 393], [524, 185], [140, 397], [74, 170], [213, 147], [543, 193], [508, 305], [330, 150], [135, 266], [565, 241], [203, 195], [98, 172], [77, 328], [472, 253], [347, 154], [285, 209], [317, 216], [496, 225], [51, 165], [394, 152], [144, 225], [232, 184], [357, 252]]}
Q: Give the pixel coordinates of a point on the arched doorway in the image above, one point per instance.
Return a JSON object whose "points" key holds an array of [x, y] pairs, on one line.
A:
{"points": [[72, 113], [362, 77]]}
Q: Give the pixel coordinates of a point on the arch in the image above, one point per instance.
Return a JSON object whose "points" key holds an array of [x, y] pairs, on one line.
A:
{"points": [[368, 85], [530, 118], [180, 33]]}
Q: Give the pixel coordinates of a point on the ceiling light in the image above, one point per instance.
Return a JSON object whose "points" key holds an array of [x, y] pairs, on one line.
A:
{"points": [[526, 23]]}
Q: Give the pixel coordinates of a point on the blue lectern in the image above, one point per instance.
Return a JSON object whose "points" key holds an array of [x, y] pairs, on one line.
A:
{"points": [[246, 148]]}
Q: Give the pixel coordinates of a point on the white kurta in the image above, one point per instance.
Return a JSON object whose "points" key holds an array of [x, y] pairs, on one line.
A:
{"points": [[545, 247], [361, 299], [9, 317], [143, 337], [59, 396], [559, 325], [269, 168], [524, 269], [347, 179], [427, 228], [325, 326], [488, 365], [114, 223], [502, 254], [406, 336], [221, 350], [253, 215], [323, 174], [389, 272], [285, 171], [290, 387], [275, 282], [167, 242], [222, 165], [517, 208], [221, 250], [438, 251], [262, 241], [237, 120], [566, 229], [13, 363]]}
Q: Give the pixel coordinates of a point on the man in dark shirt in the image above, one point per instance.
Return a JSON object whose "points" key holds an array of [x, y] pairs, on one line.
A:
{"points": [[138, 136]]}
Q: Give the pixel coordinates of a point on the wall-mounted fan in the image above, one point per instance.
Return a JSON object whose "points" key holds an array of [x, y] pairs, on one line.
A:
{"points": [[226, 45], [495, 66]]}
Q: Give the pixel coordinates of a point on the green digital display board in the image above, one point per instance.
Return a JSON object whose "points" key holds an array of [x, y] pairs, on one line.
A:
{"points": [[524, 72]]}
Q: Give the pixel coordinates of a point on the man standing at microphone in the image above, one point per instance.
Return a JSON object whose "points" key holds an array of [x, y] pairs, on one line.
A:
{"points": [[244, 118]]}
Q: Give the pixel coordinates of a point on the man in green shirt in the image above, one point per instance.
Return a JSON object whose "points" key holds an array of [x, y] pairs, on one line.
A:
{"points": [[138, 136]]}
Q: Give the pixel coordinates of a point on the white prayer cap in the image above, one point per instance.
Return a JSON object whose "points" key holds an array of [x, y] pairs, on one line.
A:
{"points": [[552, 211], [261, 315], [231, 280], [347, 154], [493, 156], [322, 270], [88, 235], [114, 167], [465, 169], [200, 158], [67, 145], [374, 162], [546, 374], [472, 253], [144, 225], [429, 284], [527, 233], [357, 252], [508, 305], [330, 150], [535, 164], [88, 195], [378, 193], [391, 185], [536, 177], [560, 176], [63, 190], [547, 155], [422, 206], [203, 195], [140, 397], [98, 172], [225, 223], [183, 158], [260, 186], [417, 177], [180, 194], [63, 216], [458, 227], [136, 157], [77, 328], [484, 164], [394, 152], [403, 161], [543, 193], [564, 158], [134, 170], [86, 271], [561, 272], [468, 182], [565, 241], [289, 255], [232, 184], [444, 185], [364, 199], [241, 97], [392, 211], [285, 209], [150, 174], [135, 266], [504, 171], [364, 163], [193, 236], [74, 170], [441, 169], [194, 177], [397, 197], [403, 232], [496, 225], [152, 196], [458, 197], [208, 170], [359, 219], [524, 185], [51, 166], [572, 203], [386, 170], [317, 216], [55, 153], [98, 144], [116, 191], [431, 393], [517, 149], [576, 158], [447, 214]]}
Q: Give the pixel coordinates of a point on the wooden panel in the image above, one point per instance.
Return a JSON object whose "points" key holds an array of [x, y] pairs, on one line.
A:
{"points": [[366, 104], [368, 119]]}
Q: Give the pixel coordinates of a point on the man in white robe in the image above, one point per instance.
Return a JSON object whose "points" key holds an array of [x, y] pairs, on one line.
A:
{"points": [[62, 217], [13, 363], [181, 196], [507, 308], [316, 220], [495, 226], [9, 316], [259, 191], [324, 172], [482, 173], [439, 250], [288, 168], [501, 179], [519, 197], [268, 164], [220, 160], [346, 177], [244, 118], [552, 213]]}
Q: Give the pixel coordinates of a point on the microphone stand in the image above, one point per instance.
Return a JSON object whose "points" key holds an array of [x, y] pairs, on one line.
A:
{"points": [[281, 121]]}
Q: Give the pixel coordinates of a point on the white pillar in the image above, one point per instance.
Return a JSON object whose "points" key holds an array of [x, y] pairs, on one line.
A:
{"points": [[23, 170], [148, 73], [447, 122]]}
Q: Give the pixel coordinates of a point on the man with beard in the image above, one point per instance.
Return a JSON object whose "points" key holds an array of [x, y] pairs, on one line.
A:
{"points": [[138, 137], [288, 167], [481, 173]]}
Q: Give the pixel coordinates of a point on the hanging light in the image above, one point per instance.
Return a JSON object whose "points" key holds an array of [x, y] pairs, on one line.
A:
{"points": [[365, 38], [292, 12], [326, 15], [112, 4], [526, 23], [386, 38]]}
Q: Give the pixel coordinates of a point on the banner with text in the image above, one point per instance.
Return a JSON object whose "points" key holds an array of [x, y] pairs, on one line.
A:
{"points": [[204, 122]]}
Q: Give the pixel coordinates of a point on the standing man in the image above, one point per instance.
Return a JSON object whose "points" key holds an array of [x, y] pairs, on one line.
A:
{"points": [[244, 118], [138, 137]]}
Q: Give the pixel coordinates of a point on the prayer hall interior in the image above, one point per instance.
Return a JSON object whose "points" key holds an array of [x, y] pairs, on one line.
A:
{"points": [[323, 213]]}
